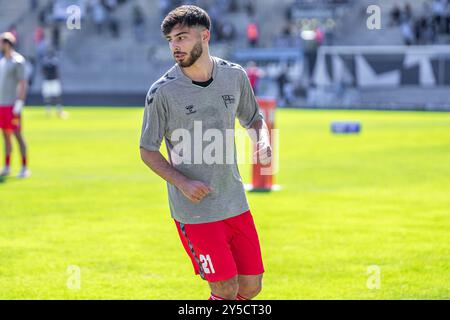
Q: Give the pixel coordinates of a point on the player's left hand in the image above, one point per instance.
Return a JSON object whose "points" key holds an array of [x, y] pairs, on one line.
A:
{"points": [[18, 106], [263, 153]]}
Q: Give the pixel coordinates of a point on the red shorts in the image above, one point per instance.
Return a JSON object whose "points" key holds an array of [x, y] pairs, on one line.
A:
{"points": [[9, 120], [222, 249]]}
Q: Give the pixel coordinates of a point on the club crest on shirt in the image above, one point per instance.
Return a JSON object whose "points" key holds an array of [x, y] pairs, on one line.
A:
{"points": [[228, 99], [190, 109]]}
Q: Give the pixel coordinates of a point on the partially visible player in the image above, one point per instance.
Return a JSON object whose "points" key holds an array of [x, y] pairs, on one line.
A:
{"points": [[51, 85], [13, 87]]}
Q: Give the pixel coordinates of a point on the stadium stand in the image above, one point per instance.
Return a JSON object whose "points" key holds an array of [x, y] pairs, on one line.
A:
{"points": [[119, 50]]}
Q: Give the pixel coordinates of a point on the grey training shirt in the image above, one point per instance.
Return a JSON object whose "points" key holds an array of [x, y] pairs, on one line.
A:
{"points": [[177, 110], [11, 72]]}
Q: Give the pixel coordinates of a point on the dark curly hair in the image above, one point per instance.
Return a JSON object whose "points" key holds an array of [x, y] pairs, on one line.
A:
{"points": [[187, 15]]}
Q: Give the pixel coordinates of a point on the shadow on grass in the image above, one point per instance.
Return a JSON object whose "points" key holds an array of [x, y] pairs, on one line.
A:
{"points": [[10, 179], [4, 180]]}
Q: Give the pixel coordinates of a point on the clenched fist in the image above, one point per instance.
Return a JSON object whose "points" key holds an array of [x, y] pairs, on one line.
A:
{"points": [[194, 190], [18, 106]]}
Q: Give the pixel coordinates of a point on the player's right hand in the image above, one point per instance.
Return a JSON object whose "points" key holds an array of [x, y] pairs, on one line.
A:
{"points": [[18, 106], [195, 190]]}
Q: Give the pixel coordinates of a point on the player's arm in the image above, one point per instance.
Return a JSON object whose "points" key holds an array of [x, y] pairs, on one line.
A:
{"points": [[21, 90], [251, 118], [21, 94], [192, 189], [154, 128], [259, 133]]}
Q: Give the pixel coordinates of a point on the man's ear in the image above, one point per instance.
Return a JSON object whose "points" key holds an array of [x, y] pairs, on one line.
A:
{"points": [[206, 35]]}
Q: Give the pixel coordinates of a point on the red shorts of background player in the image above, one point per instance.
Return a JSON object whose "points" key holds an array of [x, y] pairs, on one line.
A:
{"points": [[222, 249], [9, 120]]}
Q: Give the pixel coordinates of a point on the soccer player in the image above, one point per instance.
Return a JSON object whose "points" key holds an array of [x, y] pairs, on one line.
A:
{"points": [[51, 85], [207, 200], [13, 87]]}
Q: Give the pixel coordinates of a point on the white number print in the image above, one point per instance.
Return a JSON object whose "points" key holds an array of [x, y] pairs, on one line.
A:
{"points": [[207, 264]]}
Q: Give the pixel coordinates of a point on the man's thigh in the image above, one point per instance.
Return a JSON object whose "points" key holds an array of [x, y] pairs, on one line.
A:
{"points": [[207, 245], [245, 245]]}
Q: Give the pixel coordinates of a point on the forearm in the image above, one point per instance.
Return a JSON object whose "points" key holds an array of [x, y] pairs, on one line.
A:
{"points": [[158, 164], [21, 90], [259, 132]]}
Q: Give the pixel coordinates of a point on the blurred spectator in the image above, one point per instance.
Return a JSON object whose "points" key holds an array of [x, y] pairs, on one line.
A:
{"points": [[430, 30], [447, 18], [426, 26], [254, 74], [407, 33], [39, 42], [138, 23], [232, 6], [395, 15], [30, 70], [252, 34], [289, 13], [282, 80], [329, 34], [319, 36], [43, 15], [418, 31], [110, 5], [114, 25], [438, 9], [407, 13], [250, 8], [99, 15], [56, 36], [39, 34]]}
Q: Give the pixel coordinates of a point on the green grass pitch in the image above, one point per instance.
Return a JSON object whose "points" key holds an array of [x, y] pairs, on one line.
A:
{"points": [[347, 202]]}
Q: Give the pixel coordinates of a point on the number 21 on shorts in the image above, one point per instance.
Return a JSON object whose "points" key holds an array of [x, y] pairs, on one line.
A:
{"points": [[207, 264]]}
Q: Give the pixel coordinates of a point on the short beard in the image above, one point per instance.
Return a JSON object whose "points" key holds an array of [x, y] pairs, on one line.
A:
{"points": [[196, 52]]}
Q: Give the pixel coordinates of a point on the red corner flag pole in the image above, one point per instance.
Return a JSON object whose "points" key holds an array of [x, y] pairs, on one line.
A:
{"points": [[261, 181]]}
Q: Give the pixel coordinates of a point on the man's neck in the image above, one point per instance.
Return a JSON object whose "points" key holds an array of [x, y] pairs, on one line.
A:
{"points": [[8, 54], [201, 70]]}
